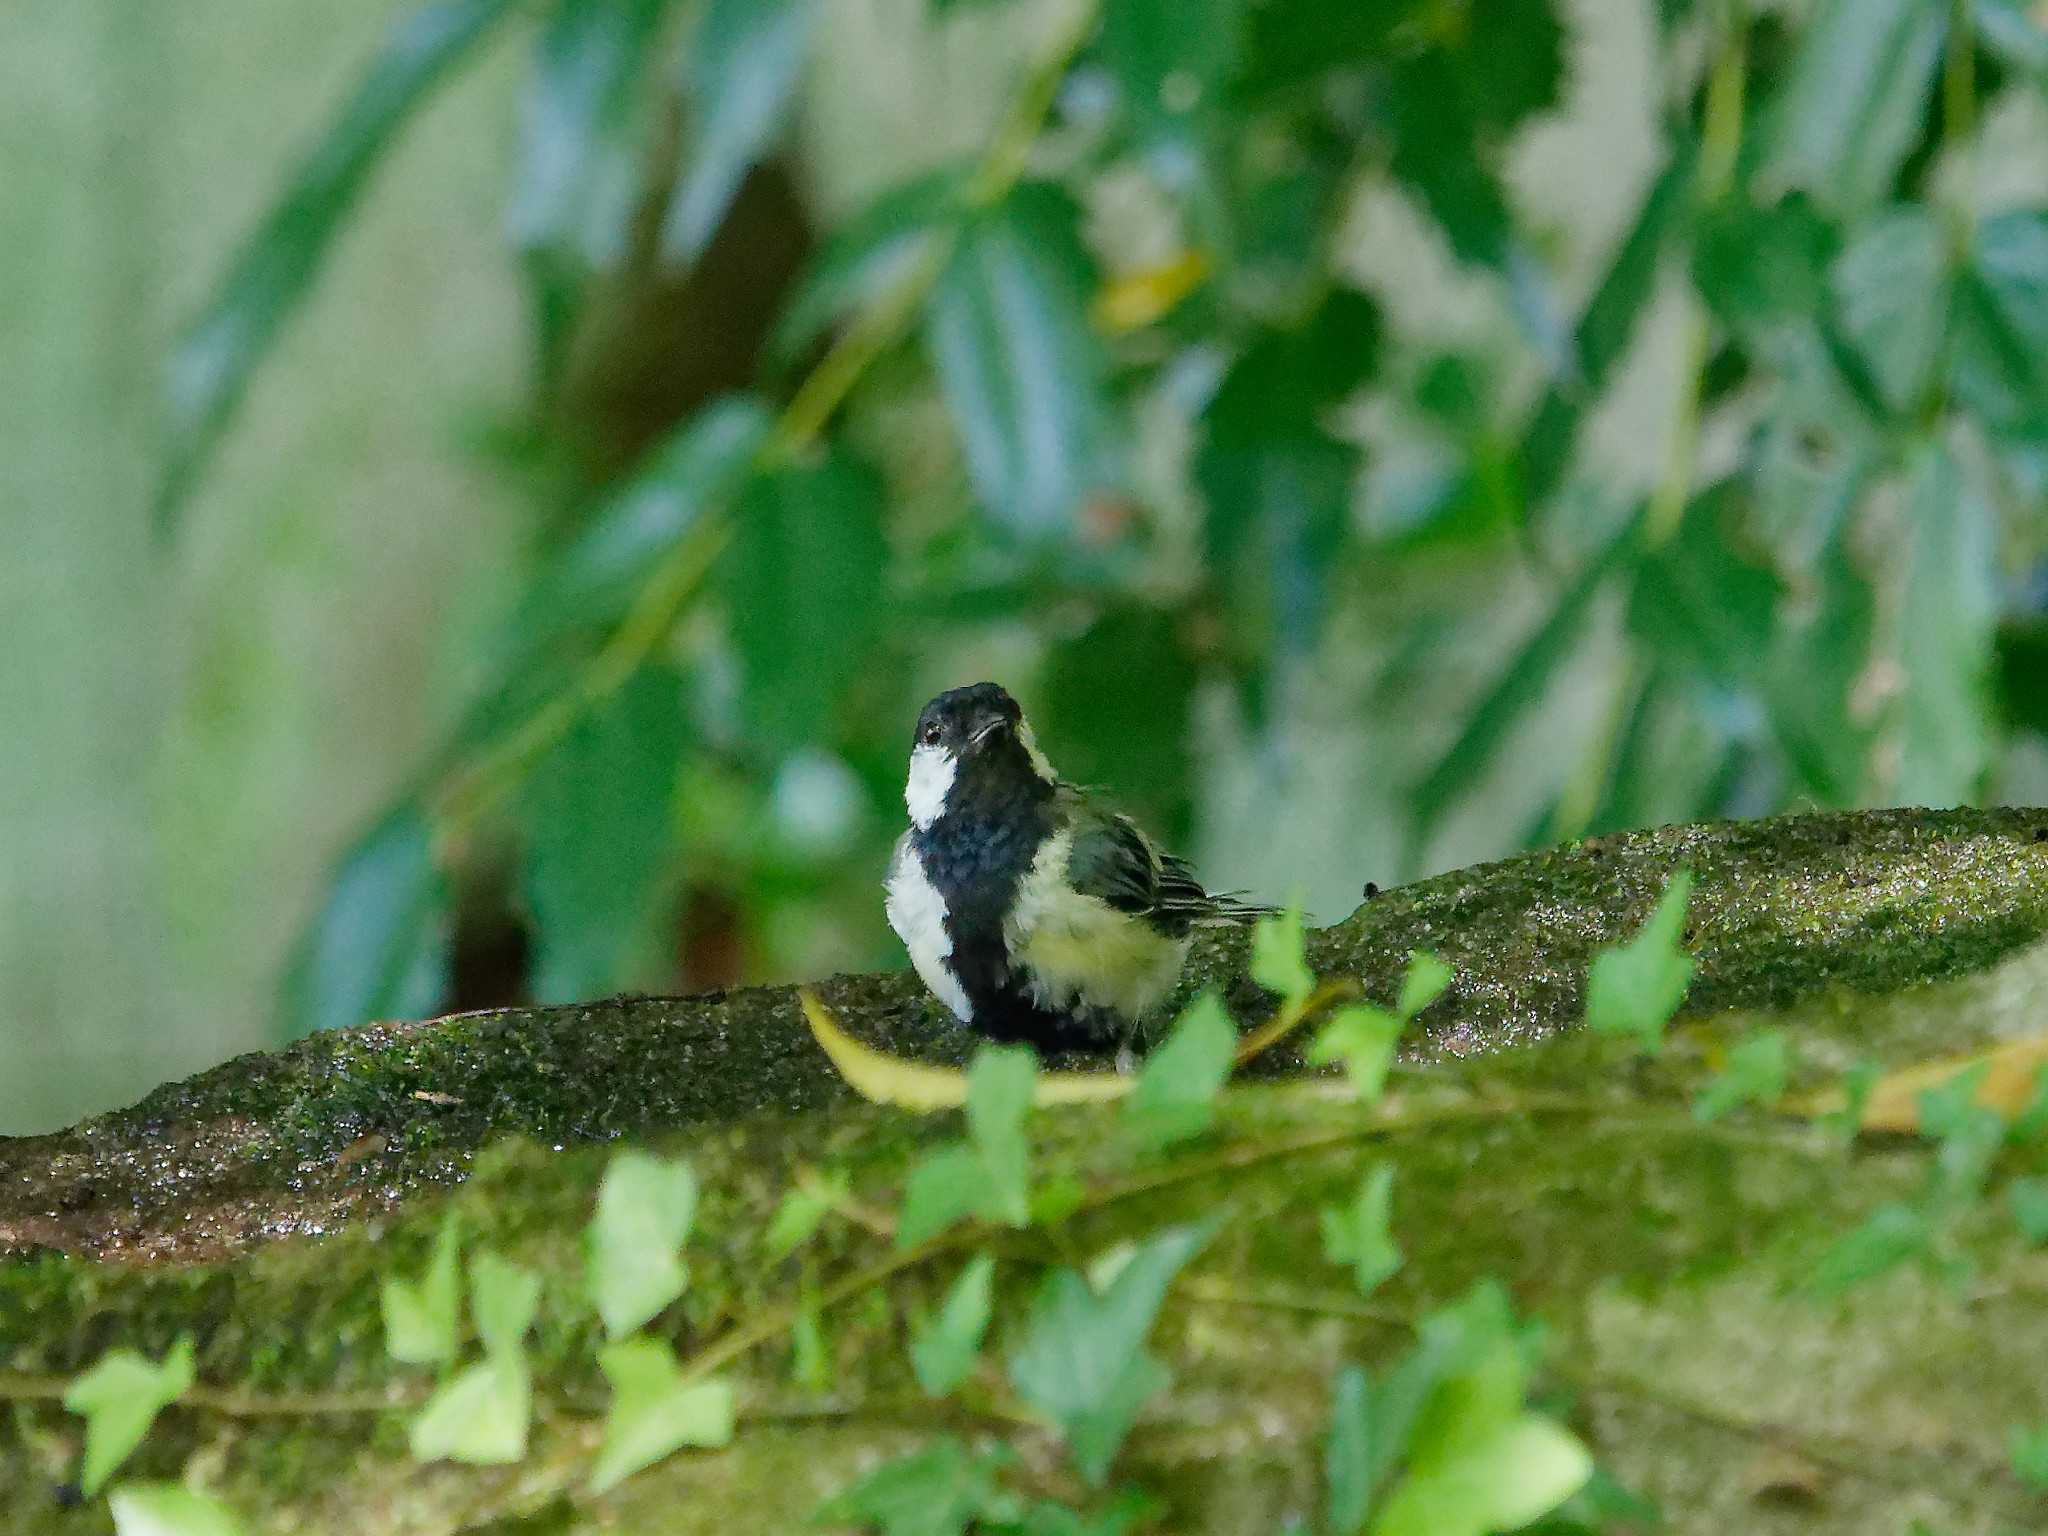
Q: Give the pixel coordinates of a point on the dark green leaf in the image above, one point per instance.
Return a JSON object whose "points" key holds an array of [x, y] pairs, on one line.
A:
{"points": [[740, 71], [804, 587], [119, 1398], [597, 830], [1947, 635], [632, 1261], [655, 1411], [943, 1350], [213, 361], [1115, 709], [1171, 58], [1820, 653], [937, 1492], [1359, 1234], [1760, 269], [1854, 104], [863, 258], [378, 947], [421, 1317], [1176, 1093], [2010, 32], [1756, 1073], [1518, 687], [1635, 988], [1697, 600], [579, 175], [2002, 323], [1082, 1362], [1893, 283], [1022, 371]]}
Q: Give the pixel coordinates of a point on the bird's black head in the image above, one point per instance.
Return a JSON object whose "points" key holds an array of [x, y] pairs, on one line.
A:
{"points": [[973, 753]]}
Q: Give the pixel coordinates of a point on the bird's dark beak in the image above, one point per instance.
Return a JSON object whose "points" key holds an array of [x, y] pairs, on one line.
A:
{"points": [[988, 731]]}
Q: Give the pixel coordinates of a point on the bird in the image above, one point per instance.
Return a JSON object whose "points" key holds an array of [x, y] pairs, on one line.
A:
{"points": [[1030, 908]]}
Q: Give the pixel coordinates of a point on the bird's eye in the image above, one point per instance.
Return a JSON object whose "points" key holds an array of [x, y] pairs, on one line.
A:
{"points": [[931, 735]]}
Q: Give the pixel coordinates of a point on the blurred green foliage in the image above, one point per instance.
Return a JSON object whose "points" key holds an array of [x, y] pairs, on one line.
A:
{"points": [[1151, 466]]}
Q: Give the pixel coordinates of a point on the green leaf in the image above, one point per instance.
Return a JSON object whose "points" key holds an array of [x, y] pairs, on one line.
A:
{"points": [[1948, 635], [2029, 1201], [213, 361], [119, 1398], [943, 1350], [1348, 1462], [1698, 601], [1116, 706], [1889, 1236], [1082, 1360], [1756, 1073], [800, 1213], [578, 181], [1855, 100], [864, 258], [2001, 336], [632, 1249], [1424, 983], [1022, 372], [421, 1316], [1820, 651], [946, 1186], [1127, 1512], [1000, 1084], [1360, 1235], [804, 590], [169, 1509], [378, 947], [504, 1298], [478, 1417], [1176, 1094], [655, 1411], [1517, 1475], [1893, 284], [597, 815], [690, 475], [1521, 684], [1635, 988], [1363, 1038], [937, 1492], [2030, 1455], [1764, 269], [1171, 58], [740, 71], [1969, 1136], [1280, 958]]}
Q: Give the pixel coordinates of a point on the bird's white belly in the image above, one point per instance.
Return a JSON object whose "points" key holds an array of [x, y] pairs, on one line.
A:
{"points": [[1077, 950], [918, 914]]}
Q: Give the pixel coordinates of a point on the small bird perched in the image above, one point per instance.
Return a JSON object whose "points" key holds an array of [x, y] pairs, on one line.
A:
{"points": [[1031, 911]]}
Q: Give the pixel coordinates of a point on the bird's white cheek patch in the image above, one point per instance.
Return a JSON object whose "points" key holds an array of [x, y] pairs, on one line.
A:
{"points": [[931, 777], [918, 914]]}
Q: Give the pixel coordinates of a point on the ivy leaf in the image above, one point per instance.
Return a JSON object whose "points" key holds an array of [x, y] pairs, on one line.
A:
{"points": [[631, 1249], [800, 1213], [596, 818], [504, 1298], [478, 1417], [1280, 958], [119, 1398], [169, 1509], [1635, 988], [1363, 1038], [1360, 1235], [1855, 99], [1893, 286], [803, 583], [1756, 1074], [2030, 1456], [1082, 1361], [655, 1411], [945, 1187], [378, 948], [741, 69], [1022, 372], [937, 1492], [1000, 1084], [1171, 59], [1889, 1236], [2001, 335], [1424, 983], [1499, 1483], [944, 1349], [1176, 1094], [421, 1316], [1349, 1467], [273, 272]]}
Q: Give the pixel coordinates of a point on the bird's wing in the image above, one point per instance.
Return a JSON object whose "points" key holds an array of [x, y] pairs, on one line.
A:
{"points": [[1110, 859]]}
